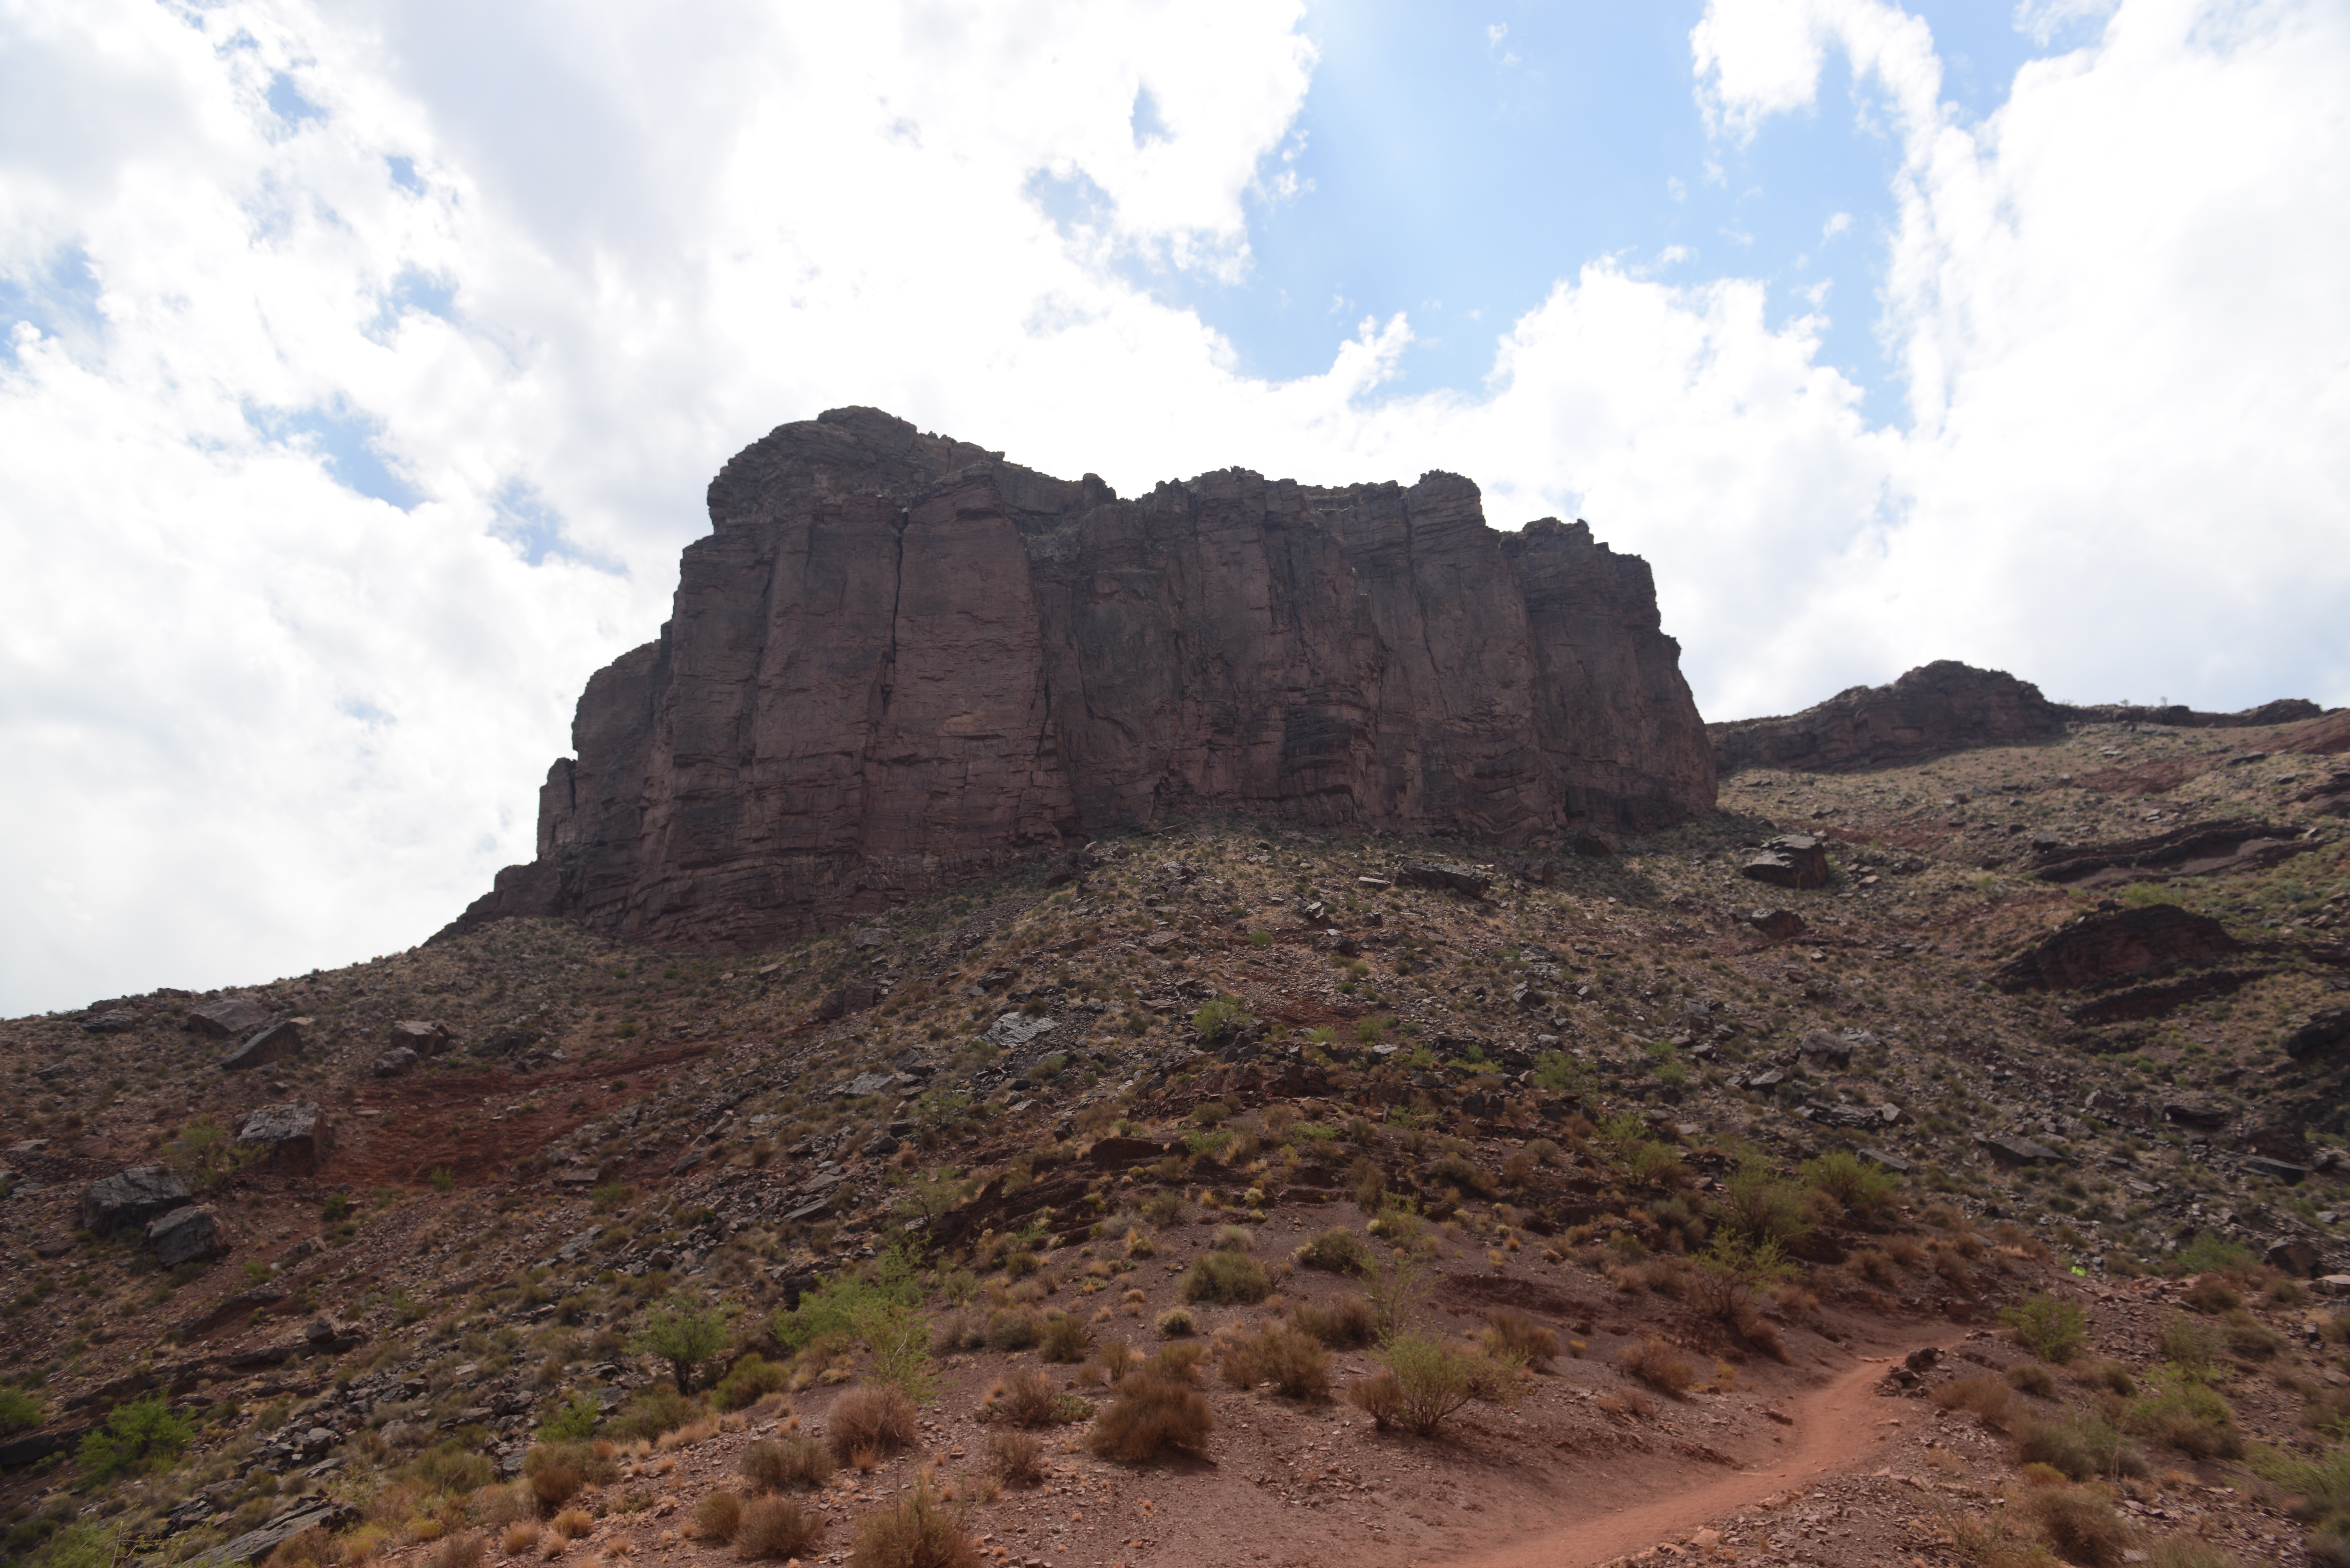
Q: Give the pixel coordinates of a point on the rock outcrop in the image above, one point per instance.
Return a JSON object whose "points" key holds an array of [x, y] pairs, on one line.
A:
{"points": [[1945, 706], [130, 1197], [2122, 945], [899, 662]]}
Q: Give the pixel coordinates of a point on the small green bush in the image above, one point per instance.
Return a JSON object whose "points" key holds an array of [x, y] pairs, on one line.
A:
{"points": [[651, 1412], [2208, 1253], [748, 1381], [1425, 1382], [1226, 1279], [140, 1435], [1065, 1339], [452, 1470], [1224, 1015], [1860, 1187], [18, 1409], [2050, 1328], [574, 1423], [2181, 1414], [688, 1334], [1292, 1361]]}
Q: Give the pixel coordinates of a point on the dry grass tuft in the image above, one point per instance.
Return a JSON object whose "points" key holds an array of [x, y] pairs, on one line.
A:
{"points": [[777, 1527], [1153, 1410], [796, 1460], [872, 1418], [919, 1533], [1015, 1458], [1514, 1334], [718, 1516], [1655, 1363]]}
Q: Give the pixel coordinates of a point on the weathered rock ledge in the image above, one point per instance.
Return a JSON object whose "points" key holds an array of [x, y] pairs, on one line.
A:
{"points": [[899, 661]]}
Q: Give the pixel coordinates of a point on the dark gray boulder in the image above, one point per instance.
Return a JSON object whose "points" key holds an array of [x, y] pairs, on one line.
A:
{"points": [[185, 1235], [228, 1018], [275, 1043], [131, 1197]]}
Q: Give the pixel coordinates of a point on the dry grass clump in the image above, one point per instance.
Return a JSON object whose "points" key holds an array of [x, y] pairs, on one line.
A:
{"points": [[2030, 1377], [1336, 1251], [796, 1460], [1513, 1334], [519, 1537], [919, 1533], [2079, 1521], [1065, 1339], [1027, 1397], [1992, 1403], [464, 1549], [1342, 1325], [1154, 1408], [1294, 1362], [571, 1524], [1175, 1323], [870, 1419], [1655, 1363], [1015, 1457], [1227, 1279], [718, 1516], [777, 1527]]}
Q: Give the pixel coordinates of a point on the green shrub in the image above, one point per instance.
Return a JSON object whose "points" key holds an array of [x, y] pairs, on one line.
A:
{"points": [[2050, 1328], [1762, 1208], [1452, 1170], [203, 1154], [2208, 1253], [1292, 1361], [574, 1423], [142, 1435], [836, 1306], [651, 1412], [686, 1334], [2079, 1521], [1227, 1279], [82, 1546], [1426, 1381], [1860, 1187], [451, 1469], [748, 1381], [1336, 1251], [1010, 1329], [2180, 1413], [1224, 1015], [2187, 1344], [18, 1409], [2080, 1446], [1345, 1323]]}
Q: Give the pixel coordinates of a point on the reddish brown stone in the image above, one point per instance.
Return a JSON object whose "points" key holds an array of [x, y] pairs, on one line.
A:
{"points": [[2125, 944], [899, 662]]}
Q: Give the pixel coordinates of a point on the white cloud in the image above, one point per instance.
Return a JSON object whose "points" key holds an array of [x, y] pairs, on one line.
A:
{"points": [[558, 262], [1838, 224]]}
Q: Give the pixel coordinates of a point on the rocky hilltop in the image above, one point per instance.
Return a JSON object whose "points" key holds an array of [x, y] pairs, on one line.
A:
{"points": [[899, 662], [1945, 706]]}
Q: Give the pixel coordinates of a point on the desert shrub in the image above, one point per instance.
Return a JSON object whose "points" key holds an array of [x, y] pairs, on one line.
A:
{"points": [[18, 1409], [2078, 1447], [1655, 1363], [1508, 1333], [1152, 1410], [1227, 1279], [2212, 1295], [841, 1301], [2208, 1253], [555, 1476], [918, 1533], [1223, 1015], [718, 1516], [2247, 1337], [688, 1334], [2110, 1376], [318, 1548], [1065, 1339], [777, 1527], [2187, 1551], [1294, 1362], [1013, 1457], [464, 1549], [2050, 1328], [521, 1536], [1425, 1382], [1336, 1251], [1761, 1208], [870, 1418], [651, 1412], [750, 1380], [2187, 1343], [1234, 1239], [451, 1469], [572, 1524], [1992, 1403], [2030, 1377], [139, 1434], [900, 1342], [1342, 1325], [576, 1422], [1860, 1189], [1010, 1329], [2181, 1414], [1872, 1264], [1027, 1398], [1367, 1184], [1175, 1322], [1452, 1170], [795, 1460], [2079, 1522]]}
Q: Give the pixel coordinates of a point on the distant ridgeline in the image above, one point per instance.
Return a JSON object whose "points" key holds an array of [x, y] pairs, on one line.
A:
{"points": [[899, 662]]}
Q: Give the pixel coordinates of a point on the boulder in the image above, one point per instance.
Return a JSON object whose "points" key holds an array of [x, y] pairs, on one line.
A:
{"points": [[930, 663], [506, 1039], [1444, 877], [1822, 1049], [114, 1021], [1779, 925], [275, 1043], [131, 1197], [185, 1235], [425, 1037], [229, 1018], [2296, 1258], [2322, 1032], [291, 1137], [1794, 860], [399, 1059], [843, 1000], [2019, 1151], [2118, 945], [2283, 1170], [255, 1545]]}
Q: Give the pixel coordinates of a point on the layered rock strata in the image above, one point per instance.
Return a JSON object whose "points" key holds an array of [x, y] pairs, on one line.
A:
{"points": [[899, 661]]}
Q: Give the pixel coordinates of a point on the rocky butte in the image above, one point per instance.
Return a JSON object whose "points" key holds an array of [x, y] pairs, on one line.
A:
{"points": [[899, 661]]}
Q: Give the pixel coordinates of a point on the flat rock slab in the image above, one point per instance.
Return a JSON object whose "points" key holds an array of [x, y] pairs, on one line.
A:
{"points": [[1778, 925], [1015, 1029], [2020, 1151], [425, 1037], [257, 1544], [275, 1043], [2120, 945], [229, 1018], [1794, 860], [131, 1197], [1444, 877]]}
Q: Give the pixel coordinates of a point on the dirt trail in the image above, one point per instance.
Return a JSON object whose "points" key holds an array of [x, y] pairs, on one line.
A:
{"points": [[1837, 1429]]}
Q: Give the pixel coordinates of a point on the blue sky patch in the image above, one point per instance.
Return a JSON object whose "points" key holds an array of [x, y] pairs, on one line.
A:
{"points": [[287, 103], [346, 441], [525, 519], [61, 300]]}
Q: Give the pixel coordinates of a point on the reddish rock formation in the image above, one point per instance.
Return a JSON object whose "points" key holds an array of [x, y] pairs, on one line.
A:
{"points": [[900, 661], [1946, 706], [2121, 945]]}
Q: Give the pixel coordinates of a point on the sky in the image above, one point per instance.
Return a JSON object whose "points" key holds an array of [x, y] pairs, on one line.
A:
{"points": [[362, 362]]}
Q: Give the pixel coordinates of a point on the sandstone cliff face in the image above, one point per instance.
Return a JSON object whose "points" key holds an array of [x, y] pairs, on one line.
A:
{"points": [[899, 661], [1945, 706]]}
